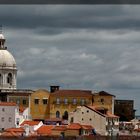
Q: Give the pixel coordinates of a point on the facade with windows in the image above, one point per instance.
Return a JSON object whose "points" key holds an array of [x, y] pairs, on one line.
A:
{"points": [[62, 102], [105, 100], [39, 104], [104, 123], [8, 115]]}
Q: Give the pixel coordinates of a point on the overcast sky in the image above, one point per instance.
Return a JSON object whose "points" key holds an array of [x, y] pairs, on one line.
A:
{"points": [[94, 47]]}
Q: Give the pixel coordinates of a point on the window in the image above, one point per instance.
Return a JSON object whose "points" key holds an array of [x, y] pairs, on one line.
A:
{"points": [[10, 119], [82, 112], [18, 101], [36, 101], [45, 101], [82, 119], [82, 101], [57, 114], [57, 101], [102, 100], [3, 109], [65, 101], [71, 119], [87, 111], [17, 121], [24, 102], [65, 115], [74, 101], [9, 78], [90, 119], [2, 119]]}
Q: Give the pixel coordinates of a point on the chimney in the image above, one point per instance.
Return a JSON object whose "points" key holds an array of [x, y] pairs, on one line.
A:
{"points": [[54, 88]]}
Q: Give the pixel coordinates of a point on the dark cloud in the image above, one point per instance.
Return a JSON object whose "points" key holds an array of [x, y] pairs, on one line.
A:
{"points": [[77, 46]]}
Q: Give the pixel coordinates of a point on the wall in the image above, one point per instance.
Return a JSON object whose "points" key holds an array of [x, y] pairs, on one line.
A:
{"points": [[108, 102], [86, 116], [39, 111], [62, 107], [9, 112]]}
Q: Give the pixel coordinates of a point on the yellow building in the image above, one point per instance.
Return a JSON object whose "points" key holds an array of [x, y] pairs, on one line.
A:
{"points": [[62, 102], [104, 100], [39, 104]]}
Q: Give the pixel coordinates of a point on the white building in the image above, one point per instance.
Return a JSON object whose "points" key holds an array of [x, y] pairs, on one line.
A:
{"points": [[21, 116], [8, 69], [104, 123], [7, 115]]}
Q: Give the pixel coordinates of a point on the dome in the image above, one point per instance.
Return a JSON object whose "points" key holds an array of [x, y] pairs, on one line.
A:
{"points": [[6, 59]]}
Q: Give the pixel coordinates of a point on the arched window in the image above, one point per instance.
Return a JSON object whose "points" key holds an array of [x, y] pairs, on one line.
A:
{"points": [[0, 79], [57, 114], [9, 78], [65, 116]]}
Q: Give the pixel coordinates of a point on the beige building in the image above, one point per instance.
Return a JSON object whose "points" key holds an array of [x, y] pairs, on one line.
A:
{"points": [[104, 123], [103, 99]]}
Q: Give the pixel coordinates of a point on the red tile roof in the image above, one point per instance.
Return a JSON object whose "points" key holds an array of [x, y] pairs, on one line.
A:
{"points": [[104, 93], [45, 130], [14, 130], [137, 130], [59, 128], [11, 134], [71, 93], [7, 104], [74, 126], [87, 127], [108, 114], [31, 123]]}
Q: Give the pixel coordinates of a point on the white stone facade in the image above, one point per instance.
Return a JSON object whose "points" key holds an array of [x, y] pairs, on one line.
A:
{"points": [[8, 69], [103, 125]]}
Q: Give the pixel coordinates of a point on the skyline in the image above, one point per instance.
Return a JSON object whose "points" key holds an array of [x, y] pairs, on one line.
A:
{"points": [[92, 47]]}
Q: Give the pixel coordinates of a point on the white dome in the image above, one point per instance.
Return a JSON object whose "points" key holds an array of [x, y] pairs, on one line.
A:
{"points": [[6, 59], [2, 36]]}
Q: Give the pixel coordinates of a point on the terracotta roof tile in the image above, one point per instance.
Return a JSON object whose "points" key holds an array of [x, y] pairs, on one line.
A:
{"points": [[71, 93], [60, 128], [104, 93], [7, 104], [108, 114], [74, 126], [45, 130], [31, 123], [87, 127], [14, 130], [10, 134]]}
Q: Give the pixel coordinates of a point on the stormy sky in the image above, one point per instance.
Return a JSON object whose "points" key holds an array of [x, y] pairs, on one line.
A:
{"points": [[95, 47]]}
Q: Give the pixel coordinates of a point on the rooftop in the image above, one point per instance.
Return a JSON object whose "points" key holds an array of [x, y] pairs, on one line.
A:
{"points": [[31, 123], [71, 93], [7, 104], [104, 93], [45, 129]]}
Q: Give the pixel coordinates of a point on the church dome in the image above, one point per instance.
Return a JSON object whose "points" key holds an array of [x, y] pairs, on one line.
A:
{"points": [[6, 59]]}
